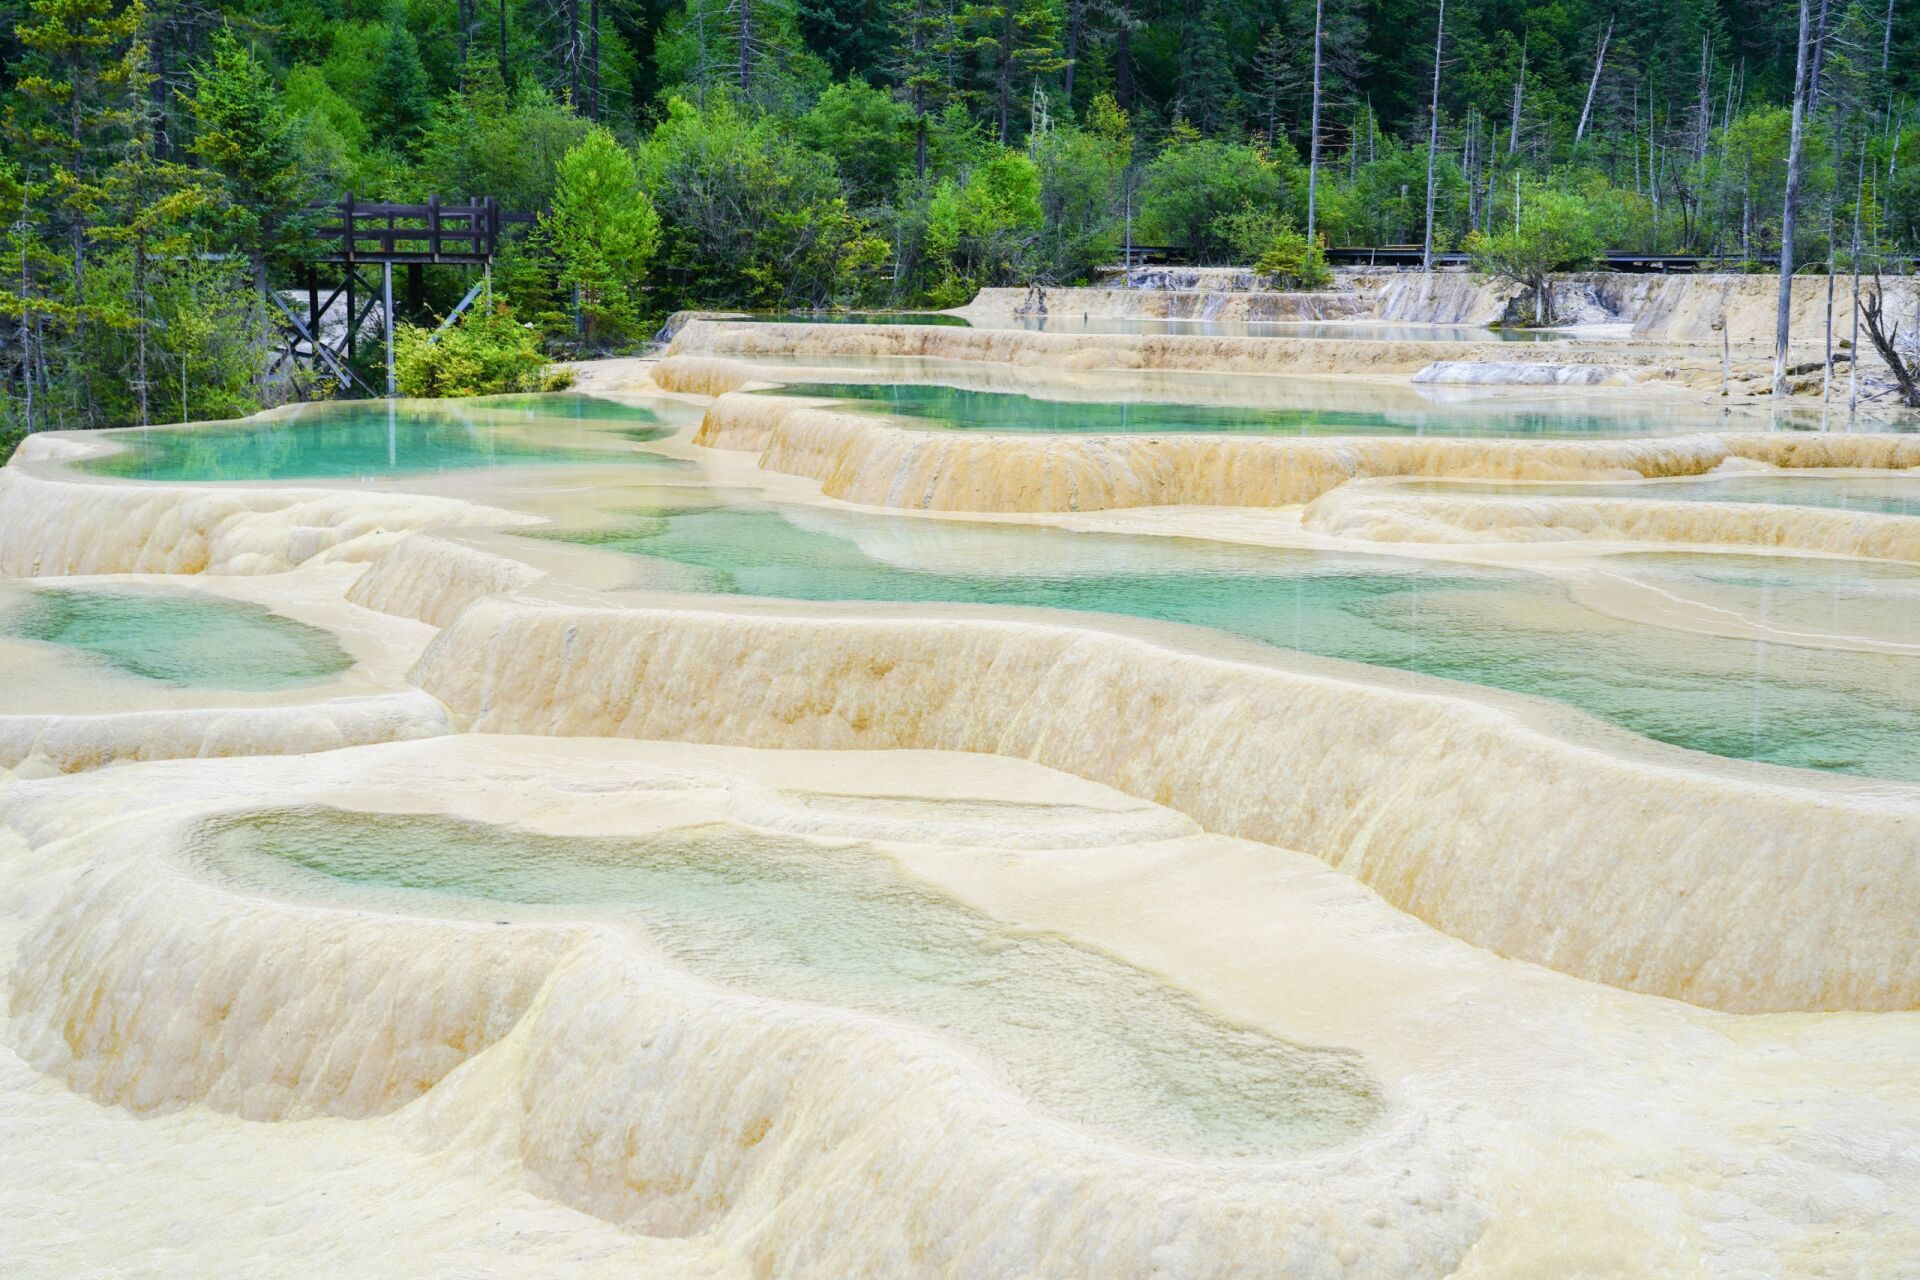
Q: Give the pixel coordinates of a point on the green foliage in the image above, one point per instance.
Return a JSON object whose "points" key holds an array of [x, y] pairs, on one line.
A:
{"points": [[1275, 248], [982, 230], [603, 230], [1558, 232], [1081, 174], [244, 132], [486, 352], [398, 99], [1196, 183], [868, 134], [750, 218]]}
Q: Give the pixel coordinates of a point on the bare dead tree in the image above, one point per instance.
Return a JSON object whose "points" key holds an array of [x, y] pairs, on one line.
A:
{"points": [[1313, 144], [1885, 336], [1433, 133], [1783, 315], [1599, 60], [1519, 92]]}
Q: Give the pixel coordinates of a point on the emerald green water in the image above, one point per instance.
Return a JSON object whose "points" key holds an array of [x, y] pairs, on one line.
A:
{"points": [[1084, 1036], [964, 408], [1846, 712], [179, 637], [365, 439], [1887, 494]]}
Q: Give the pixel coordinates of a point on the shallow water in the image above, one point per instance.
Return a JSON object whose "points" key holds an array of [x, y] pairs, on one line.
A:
{"points": [[179, 637], [372, 438], [850, 317], [1086, 1037], [1846, 712], [1889, 494], [965, 408], [1362, 331]]}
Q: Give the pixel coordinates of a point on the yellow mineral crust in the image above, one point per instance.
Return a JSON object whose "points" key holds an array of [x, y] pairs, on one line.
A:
{"points": [[1381, 515], [557, 1054], [1772, 893]]}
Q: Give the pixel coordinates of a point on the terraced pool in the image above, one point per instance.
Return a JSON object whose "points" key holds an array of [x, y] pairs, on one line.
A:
{"points": [[1086, 1037], [368, 439], [1793, 704]]}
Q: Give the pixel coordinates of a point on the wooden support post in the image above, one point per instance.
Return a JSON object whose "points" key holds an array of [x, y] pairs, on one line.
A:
{"points": [[386, 301], [352, 322], [313, 306], [433, 227]]}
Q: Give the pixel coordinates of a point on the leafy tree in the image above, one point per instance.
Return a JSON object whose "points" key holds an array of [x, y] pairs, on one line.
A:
{"points": [[983, 230], [867, 134], [749, 217], [603, 229], [1081, 172], [1556, 233], [486, 352], [1194, 183], [483, 141]]}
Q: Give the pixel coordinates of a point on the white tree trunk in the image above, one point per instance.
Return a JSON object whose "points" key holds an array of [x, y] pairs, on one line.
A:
{"points": [[1783, 316], [1433, 133], [1599, 60], [1313, 144]]}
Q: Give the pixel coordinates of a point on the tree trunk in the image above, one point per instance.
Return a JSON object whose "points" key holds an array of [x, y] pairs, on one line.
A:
{"points": [[1123, 59], [1433, 133], [1783, 316], [1313, 141], [1519, 92], [593, 58], [1599, 60], [1853, 366], [1005, 71], [746, 47]]}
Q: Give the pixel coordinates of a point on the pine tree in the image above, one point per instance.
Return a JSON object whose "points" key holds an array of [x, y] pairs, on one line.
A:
{"points": [[244, 133], [604, 231], [401, 101]]}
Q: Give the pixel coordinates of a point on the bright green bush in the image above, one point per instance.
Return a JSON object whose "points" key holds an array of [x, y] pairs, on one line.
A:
{"points": [[486, 353]]}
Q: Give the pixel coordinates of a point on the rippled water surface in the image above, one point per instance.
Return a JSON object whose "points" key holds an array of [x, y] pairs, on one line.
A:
{"points": [[364, 439], [1093, 1040], [1819, 708], [179, 637], [966, 408]]}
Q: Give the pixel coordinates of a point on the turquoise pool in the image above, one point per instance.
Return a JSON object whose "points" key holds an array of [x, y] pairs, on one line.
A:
{"points": [[182, 638], [1086, 1037], [1814, 708], [968, 409], [372, 438]]}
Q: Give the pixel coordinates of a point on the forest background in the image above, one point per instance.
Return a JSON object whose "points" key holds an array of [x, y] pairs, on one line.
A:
{"points": [[161, 157]]}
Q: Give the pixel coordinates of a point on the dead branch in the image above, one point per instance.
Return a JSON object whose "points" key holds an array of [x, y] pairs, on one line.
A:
{"points": [[1886, 340]]}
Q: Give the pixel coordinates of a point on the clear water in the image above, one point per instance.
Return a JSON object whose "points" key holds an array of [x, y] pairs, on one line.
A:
{"points": [[1887, 494], [850, 317], [1359, 330], [1362, 331], [1084, 1036], [365, 439], [179, 637], [1845, 712], [965, 408]]}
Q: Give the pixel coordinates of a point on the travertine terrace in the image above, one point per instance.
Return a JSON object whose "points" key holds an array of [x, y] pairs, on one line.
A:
{"points": [[1460, 832]]}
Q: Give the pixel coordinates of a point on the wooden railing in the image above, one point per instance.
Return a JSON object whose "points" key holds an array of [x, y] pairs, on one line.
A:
{"points": [[383, 231]]}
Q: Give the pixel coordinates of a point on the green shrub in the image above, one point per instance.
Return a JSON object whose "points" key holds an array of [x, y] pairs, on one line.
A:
{"points": [[10, 438], [1266, 238], [486, 353]]}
